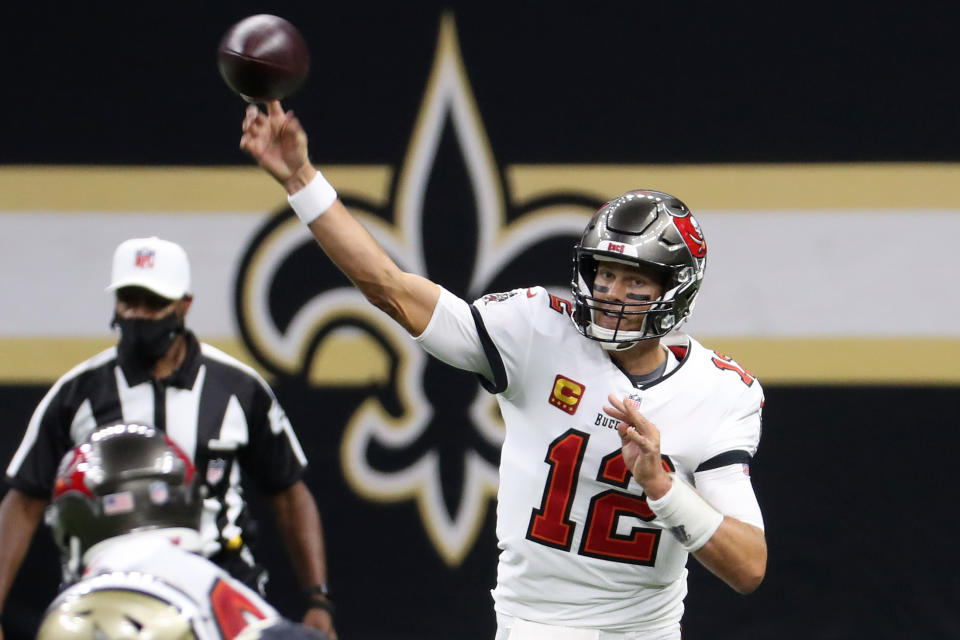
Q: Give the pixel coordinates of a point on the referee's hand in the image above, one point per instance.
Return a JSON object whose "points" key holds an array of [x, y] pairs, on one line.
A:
{"points": [[317, 619]]}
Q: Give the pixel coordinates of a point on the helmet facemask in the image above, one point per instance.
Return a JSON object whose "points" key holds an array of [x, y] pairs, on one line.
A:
{"points": [[646, 229]]}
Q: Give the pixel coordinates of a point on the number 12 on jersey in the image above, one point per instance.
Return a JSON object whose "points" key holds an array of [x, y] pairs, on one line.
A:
{"points": [[550, 524]]}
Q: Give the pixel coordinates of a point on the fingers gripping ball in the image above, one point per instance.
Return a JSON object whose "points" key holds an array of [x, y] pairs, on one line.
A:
{"points": [[263, 58]]}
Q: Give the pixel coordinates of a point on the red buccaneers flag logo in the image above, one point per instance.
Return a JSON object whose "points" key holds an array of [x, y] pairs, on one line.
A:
{"points": [[689, 230]]}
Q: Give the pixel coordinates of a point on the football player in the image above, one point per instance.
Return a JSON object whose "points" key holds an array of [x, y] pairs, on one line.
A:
{"points": [[627, 444], [125, 513]]}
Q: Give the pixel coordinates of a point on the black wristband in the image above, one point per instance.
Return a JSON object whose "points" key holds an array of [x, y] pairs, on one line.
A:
{"points": [[318, 597], [321, 602], [318, 590]]}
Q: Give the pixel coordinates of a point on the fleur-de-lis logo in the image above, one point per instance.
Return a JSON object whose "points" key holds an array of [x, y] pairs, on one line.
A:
{"points": [[425, 433]]}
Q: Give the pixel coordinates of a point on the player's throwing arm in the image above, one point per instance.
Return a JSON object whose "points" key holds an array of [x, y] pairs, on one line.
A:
{"points": [[278, 142]]}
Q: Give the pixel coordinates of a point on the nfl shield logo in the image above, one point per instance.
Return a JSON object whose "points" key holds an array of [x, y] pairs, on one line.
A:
{"points": [[215, 470], [159, 492], [144, 258]]}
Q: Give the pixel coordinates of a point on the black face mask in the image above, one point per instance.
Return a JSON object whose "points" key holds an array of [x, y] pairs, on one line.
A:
{"points": [[145, 341]]}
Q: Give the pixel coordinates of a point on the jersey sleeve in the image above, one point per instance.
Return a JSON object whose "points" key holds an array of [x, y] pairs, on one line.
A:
{"points": [[273, 457], [487, 337], [506, 322], [737, 437], [47, 438], [452, 336]]}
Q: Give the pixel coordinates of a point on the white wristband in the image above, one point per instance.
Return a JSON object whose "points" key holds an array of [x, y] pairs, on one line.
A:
{"points": [[686, 514], [313, 200]]}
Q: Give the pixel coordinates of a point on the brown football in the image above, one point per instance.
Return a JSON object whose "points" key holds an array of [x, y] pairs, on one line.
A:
{"points": [[263, 57]]}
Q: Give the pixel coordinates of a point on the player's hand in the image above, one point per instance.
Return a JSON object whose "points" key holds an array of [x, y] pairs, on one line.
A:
{"points": [[318, 619], [277, 141], [641, 446]]}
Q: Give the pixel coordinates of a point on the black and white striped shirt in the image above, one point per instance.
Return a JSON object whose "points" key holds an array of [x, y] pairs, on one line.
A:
{"points": [[218, 410]]}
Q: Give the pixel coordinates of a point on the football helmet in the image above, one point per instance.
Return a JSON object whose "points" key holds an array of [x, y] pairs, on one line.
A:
{"points": [[115, 614], [123, 478], [641, 228]]}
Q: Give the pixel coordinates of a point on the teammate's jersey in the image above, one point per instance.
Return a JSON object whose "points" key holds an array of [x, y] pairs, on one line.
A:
{"points": [[217, 605], [580, 547]]}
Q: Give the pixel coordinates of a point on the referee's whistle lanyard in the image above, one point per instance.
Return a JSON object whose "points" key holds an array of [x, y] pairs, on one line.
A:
{"points": [[145, 341]]}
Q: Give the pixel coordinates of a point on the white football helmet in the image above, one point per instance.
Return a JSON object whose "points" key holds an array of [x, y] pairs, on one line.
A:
{"points": [[128, 606]]}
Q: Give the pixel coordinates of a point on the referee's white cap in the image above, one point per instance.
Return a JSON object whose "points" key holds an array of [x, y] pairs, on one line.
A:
{"points": [[158, 265]]}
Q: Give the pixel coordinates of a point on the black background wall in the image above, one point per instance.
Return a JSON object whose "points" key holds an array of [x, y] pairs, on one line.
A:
{"points": [[855, 482], [613, 82]]}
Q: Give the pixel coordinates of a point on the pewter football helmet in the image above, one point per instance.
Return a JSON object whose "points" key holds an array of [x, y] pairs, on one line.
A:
{"points": [[642, 228], [123, 478]]}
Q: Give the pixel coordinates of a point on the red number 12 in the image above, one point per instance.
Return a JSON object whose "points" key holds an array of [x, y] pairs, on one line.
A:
{"points": [[550, 524]]}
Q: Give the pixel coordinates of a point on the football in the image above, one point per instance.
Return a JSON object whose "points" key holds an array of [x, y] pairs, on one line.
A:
{"points": [[263, 57]]}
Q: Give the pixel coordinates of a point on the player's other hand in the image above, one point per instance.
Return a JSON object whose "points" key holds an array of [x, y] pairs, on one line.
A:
{"points": [[277, 141], [320, 620], [641, 446]]}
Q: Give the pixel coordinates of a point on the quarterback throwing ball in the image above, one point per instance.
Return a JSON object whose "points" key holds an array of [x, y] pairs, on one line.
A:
{"points": [[627, 442]]}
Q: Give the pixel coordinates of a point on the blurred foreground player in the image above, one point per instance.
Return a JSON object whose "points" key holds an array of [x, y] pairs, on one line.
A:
{"points": [[227, 417], [125, 513], [597, 511]]}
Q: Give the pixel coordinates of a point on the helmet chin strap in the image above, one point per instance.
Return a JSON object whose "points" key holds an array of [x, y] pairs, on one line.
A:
{"points": [[616, 340], [624, 339], [72, 567]]}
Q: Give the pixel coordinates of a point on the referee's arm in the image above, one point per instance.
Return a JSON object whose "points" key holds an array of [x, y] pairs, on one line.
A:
{"points": [[298, 520], [278, 467], [30, 479], [20, 514]]}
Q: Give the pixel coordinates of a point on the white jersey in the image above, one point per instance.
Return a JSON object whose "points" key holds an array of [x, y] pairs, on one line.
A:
{"points": [[151, 563], [580, 547]]}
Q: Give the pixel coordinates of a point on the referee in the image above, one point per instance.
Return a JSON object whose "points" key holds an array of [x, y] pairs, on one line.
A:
{"points": [[217, 409]]}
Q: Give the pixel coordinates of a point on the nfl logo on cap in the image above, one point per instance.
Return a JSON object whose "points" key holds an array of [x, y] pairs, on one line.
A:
{"points": [[158, 265], [143, 259]]}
